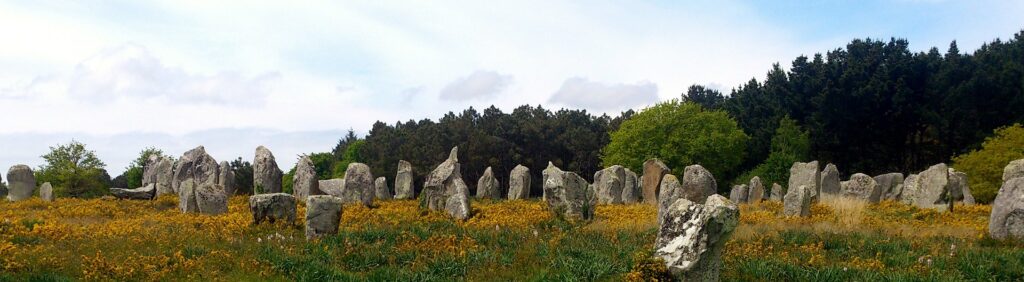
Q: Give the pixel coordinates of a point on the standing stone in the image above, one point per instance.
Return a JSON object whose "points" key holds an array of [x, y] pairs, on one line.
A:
{"points": [[958, 189], [305, 182], [266, 175], [830, 180], [160, 171], [380, 186], [227, 179], [654, 171], [1007, 217], [691, 237], [403, 181], [891, 185], [568, 195], [1013, 170], [739, 193], [444, 189], [187, 201], [776, 194], [21, 183], [334, 187], [487, 187], [668, 193], [806, 174], [698, 184], [46, 192], [358, 185], [147, 192], [755, 190], [211, 199], [272, 207], [323, 215], [519, 183], [631, 189], [608, 184], [863, 187], [930, 189], [195, 164], [797, 202]]}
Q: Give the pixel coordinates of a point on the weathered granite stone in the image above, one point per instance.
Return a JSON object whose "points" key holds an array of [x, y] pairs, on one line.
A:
{"points": [[797, 201], [187, 201], [739, 193], [830, 180], [445, 183], [487, 187], [195, 164], [654, 171], [160, 171], [380, 187], [1013, 170], [669, 192], [46, 192], [806, 174], [891, 185], [265, 173], [305, 182], [211, 199], [691, 237], [930, 189], [862, 187], [568, 195], [403, 181], [323, 215], [1007, 217], [358, 185], [519, 183], [21, 183], [272, 207], [225, 179], [147, 192], [755, 190], [333, 187], [631, 189], [958, 188], [776, 193], [698, 184], [608, 184]]}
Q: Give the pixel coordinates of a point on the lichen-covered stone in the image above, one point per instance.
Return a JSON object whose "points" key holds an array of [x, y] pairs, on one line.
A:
{"points": [[265, 172], [691, 237], [797, 201], [806, 174], [568, 195], [1007, 217], [739, 193], [862, 187], [443, 183], [608, 184], [21, 183], [211, 199], [226, 179], [380, 187], [930, 189], [46, 192], [323, 215], [519, 183], [830, 180], [305, 182], [403, 181], [197, 165], [755, 190], [358, 185], [272, 207], [631, 188], [891, 185], [487, 187]]}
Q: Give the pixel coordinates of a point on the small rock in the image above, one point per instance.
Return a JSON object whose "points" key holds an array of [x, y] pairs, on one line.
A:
{"points": [[142, 193]]}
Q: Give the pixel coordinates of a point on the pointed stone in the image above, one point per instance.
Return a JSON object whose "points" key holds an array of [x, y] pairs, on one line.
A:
{"points": [[266, 174], [381, 187], [568, 195], [755, 190], [305, 182], [830, 180], [445, 183], [654, 171], [197, 165], [487, 187], [403, 181], [226, 179]]}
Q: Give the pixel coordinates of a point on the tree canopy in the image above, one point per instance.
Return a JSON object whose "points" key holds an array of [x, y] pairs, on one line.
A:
{"points": [[73, 171]]}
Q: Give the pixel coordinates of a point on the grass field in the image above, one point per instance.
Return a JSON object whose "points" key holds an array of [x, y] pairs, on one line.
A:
{"points": [[73, 239]]}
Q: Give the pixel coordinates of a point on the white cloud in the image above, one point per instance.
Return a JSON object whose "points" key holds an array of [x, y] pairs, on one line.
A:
{"points": [[478, 85], [579, 92]]}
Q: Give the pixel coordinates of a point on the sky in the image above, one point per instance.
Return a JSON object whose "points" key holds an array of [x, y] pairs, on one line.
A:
{"points": [[121, 76]]}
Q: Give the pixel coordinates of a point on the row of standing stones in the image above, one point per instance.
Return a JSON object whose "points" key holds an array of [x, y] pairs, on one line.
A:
{"points": [[694, 222]]}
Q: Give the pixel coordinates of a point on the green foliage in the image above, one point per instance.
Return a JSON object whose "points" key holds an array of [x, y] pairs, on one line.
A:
{"points": [[322, 163], [679, 134], [288, 181], [133, 173], [790, 144], [984, 167], [74, 171], [352, 154], [243, 175]]}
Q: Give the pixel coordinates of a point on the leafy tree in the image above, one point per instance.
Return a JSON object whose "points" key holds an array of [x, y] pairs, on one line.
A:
{"points": [[350, 155], [74, 171], [133, 173], [984, 167], [705, 97], [679, 134], [243, 175], [790, 144]]}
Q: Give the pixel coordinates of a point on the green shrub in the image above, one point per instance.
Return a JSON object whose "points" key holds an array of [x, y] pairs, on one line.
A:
{"points": [[984, 167], [790, 144]]}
